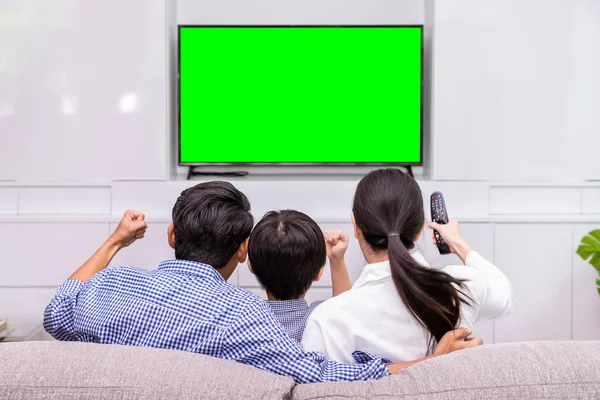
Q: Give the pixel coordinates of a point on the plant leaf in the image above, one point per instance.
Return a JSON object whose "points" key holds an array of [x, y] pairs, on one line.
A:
{"points": [[595, 261], [589, 248], [591, 243], [583, 252], [595, 234]]}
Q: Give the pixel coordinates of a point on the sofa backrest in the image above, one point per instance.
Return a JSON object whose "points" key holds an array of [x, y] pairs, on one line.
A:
{"points": [[71, 370], [550, 370]]}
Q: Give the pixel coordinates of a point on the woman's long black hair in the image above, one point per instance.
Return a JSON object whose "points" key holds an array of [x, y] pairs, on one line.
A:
{"points": [[388, 209]]}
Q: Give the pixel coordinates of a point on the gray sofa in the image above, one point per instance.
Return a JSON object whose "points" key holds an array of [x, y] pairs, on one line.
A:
{"points": [[65, 370]]}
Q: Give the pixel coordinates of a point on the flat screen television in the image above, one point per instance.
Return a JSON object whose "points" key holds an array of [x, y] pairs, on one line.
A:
{"points": [[298, 95]]}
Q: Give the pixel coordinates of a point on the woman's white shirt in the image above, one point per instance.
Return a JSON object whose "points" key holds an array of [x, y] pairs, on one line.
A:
{"points": [[372, 318]]}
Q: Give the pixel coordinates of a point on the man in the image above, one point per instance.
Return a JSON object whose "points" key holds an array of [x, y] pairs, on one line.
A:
{"points": [[187, 304]]}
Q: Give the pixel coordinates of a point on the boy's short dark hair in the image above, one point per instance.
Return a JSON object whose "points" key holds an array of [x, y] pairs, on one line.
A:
{"points": [[286, 252], [211, 221]]}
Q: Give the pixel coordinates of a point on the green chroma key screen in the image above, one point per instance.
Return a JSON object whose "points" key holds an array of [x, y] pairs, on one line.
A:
{"points": [[270, 94]]}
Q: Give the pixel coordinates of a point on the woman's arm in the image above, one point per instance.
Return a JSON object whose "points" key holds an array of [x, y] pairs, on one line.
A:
{"points": [[492, 289], [340, 280], [498, 289]]}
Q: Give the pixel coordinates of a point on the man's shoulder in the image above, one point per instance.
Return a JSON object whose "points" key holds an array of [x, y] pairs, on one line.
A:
{"points": [[124, 272], [256, 306], [252, 300], [128, 269], [209, 297], [122, 279]]}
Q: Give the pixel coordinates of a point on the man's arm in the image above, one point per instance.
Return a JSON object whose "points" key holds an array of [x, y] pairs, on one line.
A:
{"points": [[337, 244], [131, 228], [59, 316], [257, 339], [452, 341]]}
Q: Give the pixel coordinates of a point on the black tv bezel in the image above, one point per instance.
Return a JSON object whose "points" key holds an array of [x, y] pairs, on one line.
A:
{"points": [[294, 164]]}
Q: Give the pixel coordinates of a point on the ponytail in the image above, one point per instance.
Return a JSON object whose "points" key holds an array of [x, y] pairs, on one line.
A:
{"points": [[388, 210], [431, 296]]}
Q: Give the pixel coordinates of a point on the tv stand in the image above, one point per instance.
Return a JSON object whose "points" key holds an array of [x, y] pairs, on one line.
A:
{"points": [[193, 172]]}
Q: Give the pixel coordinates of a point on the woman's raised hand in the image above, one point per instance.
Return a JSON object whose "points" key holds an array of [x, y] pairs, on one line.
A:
{"points": [[450, 232]]}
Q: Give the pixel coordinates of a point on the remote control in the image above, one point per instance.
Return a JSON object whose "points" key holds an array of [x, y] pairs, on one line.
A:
{"points": [[439, 214]]}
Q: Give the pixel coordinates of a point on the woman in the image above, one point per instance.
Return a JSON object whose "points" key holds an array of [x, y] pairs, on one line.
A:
{"points": [[399, 307]]}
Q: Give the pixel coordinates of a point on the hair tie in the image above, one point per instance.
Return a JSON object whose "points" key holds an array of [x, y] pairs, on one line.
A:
{"points": [[391, 235]]}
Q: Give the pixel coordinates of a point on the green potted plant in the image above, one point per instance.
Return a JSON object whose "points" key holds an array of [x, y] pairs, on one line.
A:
{"points": [[589, 250]]}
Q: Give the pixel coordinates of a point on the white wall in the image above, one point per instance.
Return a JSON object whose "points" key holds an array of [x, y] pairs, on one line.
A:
{"points": [[515, 90], [50, 224], [83, 90], [326, 12]]}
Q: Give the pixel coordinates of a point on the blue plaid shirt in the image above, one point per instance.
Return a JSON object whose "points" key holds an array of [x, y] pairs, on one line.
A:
{"points": [[292, 315], [188, 306]]}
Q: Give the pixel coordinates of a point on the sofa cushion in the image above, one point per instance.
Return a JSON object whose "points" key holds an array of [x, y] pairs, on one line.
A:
{"points": [[71, 370], [542, 370]]}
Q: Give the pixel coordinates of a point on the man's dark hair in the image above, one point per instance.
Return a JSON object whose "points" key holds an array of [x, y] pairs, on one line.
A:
{"points": [[286, 252], [212, 220]]}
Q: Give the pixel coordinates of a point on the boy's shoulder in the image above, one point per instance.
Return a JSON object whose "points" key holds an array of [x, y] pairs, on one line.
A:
{"points": [[295, 305], [292, 315]]}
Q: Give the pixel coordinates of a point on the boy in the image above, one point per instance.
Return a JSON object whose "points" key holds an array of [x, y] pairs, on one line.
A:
{"points": [[287, 251]]}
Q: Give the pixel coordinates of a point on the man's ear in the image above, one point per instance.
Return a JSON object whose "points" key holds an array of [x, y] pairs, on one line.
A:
{"points": [[242, 252], [320, 274], [357, 232], [171, 235]]}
